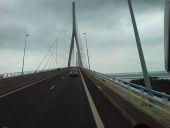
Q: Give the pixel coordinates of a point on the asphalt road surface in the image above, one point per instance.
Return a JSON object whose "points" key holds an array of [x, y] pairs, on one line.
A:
{"points": [[59, 102]]}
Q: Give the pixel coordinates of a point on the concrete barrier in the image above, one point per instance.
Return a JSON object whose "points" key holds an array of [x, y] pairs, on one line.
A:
{"points": [[155, 108]]}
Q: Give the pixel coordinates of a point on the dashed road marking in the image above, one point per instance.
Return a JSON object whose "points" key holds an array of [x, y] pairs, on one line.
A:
{"points": [[52, 87]]}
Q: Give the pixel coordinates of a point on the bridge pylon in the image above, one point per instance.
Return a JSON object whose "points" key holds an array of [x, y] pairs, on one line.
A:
{"points": [[74, 38]]}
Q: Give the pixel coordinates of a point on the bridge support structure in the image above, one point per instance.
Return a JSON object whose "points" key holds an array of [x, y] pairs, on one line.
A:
{"points": [[140, 51], [74, 38]]}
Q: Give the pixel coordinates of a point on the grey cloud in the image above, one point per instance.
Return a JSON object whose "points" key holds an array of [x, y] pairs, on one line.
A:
{"points": [[106, 22], [39, 14], [11, 35]]}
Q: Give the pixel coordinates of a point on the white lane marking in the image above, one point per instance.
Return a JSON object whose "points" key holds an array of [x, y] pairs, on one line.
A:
{"points": [[99, 87], [29, 85], [95, 113], [52, 87]]}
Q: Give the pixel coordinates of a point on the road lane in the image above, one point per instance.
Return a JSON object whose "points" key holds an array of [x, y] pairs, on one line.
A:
{"points": [[58, 102], [95, 113], [111, 117], [12, 84], [64, 106]]}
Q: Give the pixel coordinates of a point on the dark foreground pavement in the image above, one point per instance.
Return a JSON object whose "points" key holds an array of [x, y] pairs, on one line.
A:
{"points": [[58, 102]]}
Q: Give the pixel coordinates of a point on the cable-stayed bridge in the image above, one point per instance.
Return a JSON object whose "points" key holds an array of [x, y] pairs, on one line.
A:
{"points": [[50, 97]]}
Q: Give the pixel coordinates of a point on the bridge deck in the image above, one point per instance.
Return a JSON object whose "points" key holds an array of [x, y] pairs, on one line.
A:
{"points": [[59, 101]]}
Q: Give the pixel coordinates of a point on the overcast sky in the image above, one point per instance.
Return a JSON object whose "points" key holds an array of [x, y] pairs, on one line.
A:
{"points": [[110, 35]]}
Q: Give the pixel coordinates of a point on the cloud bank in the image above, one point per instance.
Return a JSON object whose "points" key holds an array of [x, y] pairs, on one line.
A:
{"points": [[110, 35]]}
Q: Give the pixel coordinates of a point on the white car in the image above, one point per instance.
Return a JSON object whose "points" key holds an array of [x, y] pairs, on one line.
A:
{"points": [[74, 72]]}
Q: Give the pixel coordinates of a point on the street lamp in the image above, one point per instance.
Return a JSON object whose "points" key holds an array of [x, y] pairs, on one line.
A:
{"points": [[85, 36], [23, 61]]}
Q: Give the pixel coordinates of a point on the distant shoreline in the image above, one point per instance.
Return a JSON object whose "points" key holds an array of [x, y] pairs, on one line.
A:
{"points": [[160, 80]]}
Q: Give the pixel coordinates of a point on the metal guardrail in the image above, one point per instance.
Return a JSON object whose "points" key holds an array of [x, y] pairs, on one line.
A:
{"points": [[139, 87], [16, 74], [10, 75]]}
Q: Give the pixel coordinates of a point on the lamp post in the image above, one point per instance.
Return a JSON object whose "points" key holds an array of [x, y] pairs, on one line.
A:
{"points": [[23, 61], [85, 36]]}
